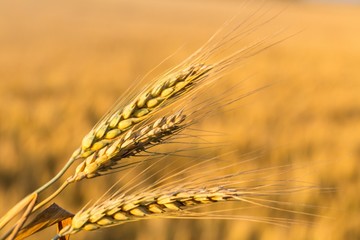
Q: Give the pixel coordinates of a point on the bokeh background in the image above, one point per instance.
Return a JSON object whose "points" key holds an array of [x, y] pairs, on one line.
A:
{"points": [[63, 64]]}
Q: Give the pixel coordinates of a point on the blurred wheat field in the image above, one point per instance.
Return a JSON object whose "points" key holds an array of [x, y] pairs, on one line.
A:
{"points": [[63, 64]]}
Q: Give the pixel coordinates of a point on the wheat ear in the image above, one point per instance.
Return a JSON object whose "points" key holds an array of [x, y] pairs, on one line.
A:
{"points": [[128, 145], [123, 209], [158, 94]]}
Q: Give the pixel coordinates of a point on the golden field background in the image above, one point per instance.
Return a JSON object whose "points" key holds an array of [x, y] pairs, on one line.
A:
{"points": [[63, 64]]}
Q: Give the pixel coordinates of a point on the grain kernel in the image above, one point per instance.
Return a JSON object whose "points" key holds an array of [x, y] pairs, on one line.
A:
{"points": [[126, 143], [155, 208], [157, 90], [171, 82], [88, 140], [105, 221], [120, 216], [142, 100], [90, 227], [96, 217], [102, 159], [137, 212], [141, 112], [180, 85], [164, 199], [128, 110], [125, 124], [112, 211], [114, 120], [113, 133], [128, 206], [166, 92], [101, 131], [80, 168], [91, 168], [98, 145], [172, 206], [87, 153], [153, 102]]}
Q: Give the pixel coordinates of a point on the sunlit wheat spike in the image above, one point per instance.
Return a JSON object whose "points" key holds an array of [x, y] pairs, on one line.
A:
{"points": [[129, 144], [140, 108], [123, 209]]}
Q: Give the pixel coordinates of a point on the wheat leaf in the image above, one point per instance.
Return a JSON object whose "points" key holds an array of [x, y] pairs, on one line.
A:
{"points": [[50, 216]]}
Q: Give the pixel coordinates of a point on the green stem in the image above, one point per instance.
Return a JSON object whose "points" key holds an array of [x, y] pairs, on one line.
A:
{"points": [[24, 202], [52, 196], [57, 176]]}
